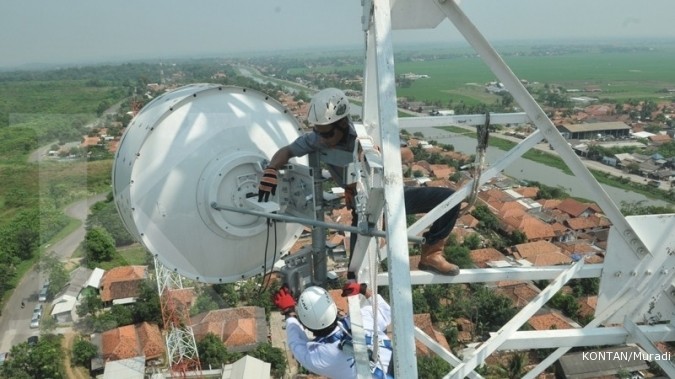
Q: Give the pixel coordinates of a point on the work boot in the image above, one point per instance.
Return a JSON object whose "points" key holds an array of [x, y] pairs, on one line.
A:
{"points": [[433, 260]]}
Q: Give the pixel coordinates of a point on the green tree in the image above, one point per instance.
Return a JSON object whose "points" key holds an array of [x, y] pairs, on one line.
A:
{"points": [[104, 215], [147, 307], [639, 208], [273, 355], [517, 237], [493, 310], [213, 353], [228, 293], [472, 241], [432, 367], [89, 304], [419, 301], [566, 303], [99, 245], [83, 352], [515, 368], [204, 303], [487, 220], [56, 272], [459, 255], [44, 360]]}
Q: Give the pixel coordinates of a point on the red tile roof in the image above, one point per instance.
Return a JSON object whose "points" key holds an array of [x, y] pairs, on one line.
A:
{"points": [[541, 253], [241, 329], [407, 155], [90, 141], [132, 341], [468, 220], [481, 257], [466, 329], [573, 207], [423, 321], [122, 282], [549, 320], [442, 171], [520, 293], [534, 228], [587, 305], [585, 223], [529, 192]]}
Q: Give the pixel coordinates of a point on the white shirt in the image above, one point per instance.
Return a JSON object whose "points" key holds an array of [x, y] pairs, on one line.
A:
{"points": [[326, 358]]}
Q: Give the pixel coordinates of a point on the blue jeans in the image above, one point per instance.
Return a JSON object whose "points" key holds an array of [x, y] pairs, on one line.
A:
{"points": [[421, 200]]}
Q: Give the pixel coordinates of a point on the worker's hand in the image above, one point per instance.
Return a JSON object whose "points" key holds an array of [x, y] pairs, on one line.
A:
{"points": [[354, 288], [283, 300], [268, 184]]}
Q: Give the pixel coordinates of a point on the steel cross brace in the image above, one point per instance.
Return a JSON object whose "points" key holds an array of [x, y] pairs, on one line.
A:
{"points": [[506, 331]]}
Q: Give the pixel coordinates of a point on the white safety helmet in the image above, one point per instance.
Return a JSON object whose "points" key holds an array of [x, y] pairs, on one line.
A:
{"points": [[328, 106], [316, 309]]}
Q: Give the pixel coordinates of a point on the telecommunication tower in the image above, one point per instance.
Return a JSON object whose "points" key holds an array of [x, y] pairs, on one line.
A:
{"points": [[186, 175]]}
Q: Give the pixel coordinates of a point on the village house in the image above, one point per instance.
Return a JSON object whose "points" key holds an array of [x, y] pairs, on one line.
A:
{"points": [[141, 341], [241, 329], [121, 285]]}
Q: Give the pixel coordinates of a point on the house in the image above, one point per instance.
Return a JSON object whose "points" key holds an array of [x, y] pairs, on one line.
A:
{"points": [[541, 253], [131, 341], [551, 319], [466, 329], [615, 129], [534, 228], [660, 139], [131, 368], [520, 293], [247, 367], [528, 192], [121, 285], [587, 224], [423, 321], [481, 257], [65, 303], [94, 280], [442, 171], [576, 208], [587, 305], [241, 329]]}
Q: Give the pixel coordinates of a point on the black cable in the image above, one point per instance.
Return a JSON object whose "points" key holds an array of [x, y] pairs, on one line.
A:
{"points": [[267, 244]]}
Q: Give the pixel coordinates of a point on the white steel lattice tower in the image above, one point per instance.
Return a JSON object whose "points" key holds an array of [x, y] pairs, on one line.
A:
{"points": [[181, 346]]}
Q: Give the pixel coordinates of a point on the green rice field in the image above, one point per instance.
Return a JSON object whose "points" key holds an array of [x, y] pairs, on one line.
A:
{"points": [[619, 72], [619, 76]]}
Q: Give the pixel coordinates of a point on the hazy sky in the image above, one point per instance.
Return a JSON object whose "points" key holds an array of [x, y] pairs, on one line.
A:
{"points": [[78, 31]]}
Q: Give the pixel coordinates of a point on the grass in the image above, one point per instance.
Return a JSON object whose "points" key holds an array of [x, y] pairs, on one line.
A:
{"points": [[621, 73], [134, 254]]}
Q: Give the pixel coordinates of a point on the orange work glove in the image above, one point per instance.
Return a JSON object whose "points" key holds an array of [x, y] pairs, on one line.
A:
{"points": [[268, 184]]}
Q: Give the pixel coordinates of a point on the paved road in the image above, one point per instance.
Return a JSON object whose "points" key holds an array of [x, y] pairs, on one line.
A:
{"points": [[15, 321]]}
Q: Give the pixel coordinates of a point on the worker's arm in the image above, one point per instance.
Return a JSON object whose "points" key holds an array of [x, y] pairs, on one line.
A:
{"points": [[280, 158]]}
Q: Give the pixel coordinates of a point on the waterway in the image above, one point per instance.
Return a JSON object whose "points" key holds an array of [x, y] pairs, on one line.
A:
{"points": [[525, 169]]}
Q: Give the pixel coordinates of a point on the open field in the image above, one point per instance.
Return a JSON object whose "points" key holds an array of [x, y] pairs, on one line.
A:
{"points": [[458, 74], [619, 76]]}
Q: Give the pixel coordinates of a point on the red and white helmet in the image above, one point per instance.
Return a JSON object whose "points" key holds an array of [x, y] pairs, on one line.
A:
{"points": [[327, 106], [315, 308]]}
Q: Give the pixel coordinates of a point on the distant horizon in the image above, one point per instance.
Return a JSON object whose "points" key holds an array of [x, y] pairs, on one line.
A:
{"points": [[398, 47], [38, 34]]}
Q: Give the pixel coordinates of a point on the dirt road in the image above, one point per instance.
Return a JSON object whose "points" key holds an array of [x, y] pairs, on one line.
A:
{"points": [[72, 372]]}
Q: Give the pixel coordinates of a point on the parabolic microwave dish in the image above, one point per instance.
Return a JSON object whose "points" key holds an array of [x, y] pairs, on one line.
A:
{"points": [[197, 145]]}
